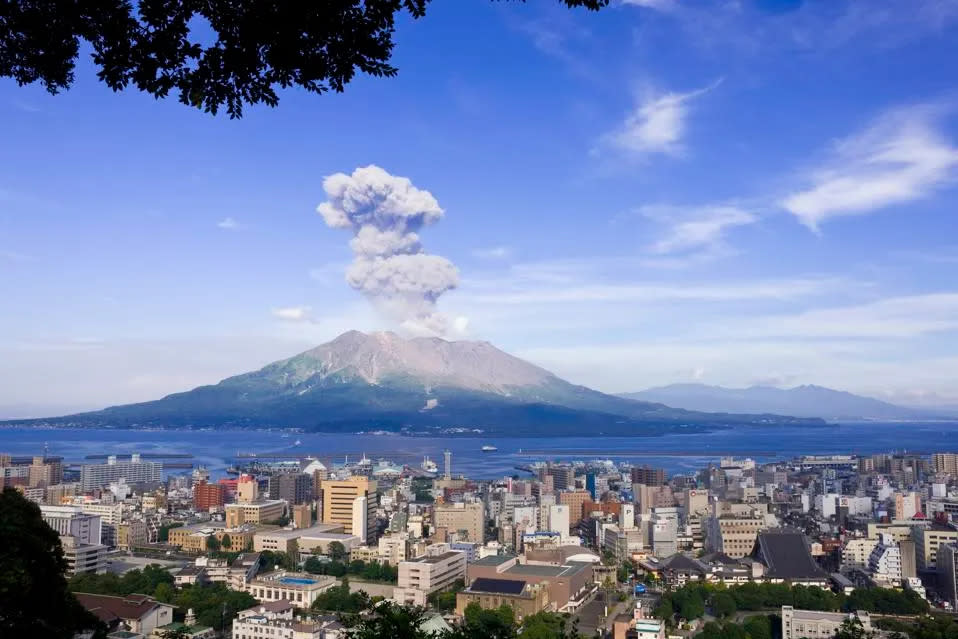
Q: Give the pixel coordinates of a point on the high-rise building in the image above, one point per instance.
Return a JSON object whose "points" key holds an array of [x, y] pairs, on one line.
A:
{"points": [[318, 471], [945, 463], [468, 518], [260, 512], [303, 515], [447, 464], [296, 488], [207, 496], [563, 477], [948, 573], [590, 485], [45, 472], [927, 542], [648, 476], [575, 499], [135, 471], [247, 489], [340, 504]]}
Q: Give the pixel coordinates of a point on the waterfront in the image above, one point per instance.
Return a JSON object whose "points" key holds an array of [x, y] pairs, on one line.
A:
{"points": [[676, 452]]}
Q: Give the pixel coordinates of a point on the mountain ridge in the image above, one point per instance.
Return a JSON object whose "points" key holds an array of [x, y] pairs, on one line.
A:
{"points": [[381, 381], [801, 401]]}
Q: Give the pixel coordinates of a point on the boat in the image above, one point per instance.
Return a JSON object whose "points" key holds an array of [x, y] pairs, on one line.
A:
{"points": [[489, 449], [429, 466], [297, 443]]}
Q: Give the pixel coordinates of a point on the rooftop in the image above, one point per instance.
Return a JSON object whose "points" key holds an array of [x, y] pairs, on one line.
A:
{"points": [[109, 608], [493, 560], [435, 559], [497, 586], [786, 555]]}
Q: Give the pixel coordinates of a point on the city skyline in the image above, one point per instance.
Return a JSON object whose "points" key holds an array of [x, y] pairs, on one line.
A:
{"points": [[652, 194]]}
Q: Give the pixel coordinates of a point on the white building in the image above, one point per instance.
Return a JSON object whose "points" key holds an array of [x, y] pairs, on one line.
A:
{"points": [[300, 589], [423, 575], [134, 471], [276, 620], [812, 624], [69, 520], [857, 551], [884, 563]]}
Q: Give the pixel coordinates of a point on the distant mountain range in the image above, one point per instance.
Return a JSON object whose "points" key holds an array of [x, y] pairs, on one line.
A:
{"points": [[381, 381], [801, 401]]}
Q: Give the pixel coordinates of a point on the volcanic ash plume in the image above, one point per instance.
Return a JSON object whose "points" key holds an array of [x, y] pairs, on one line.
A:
{"points": [[390, 268]]}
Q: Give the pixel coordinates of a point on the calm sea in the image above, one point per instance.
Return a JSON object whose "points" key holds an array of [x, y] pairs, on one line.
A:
{"points": [[676, 452]]}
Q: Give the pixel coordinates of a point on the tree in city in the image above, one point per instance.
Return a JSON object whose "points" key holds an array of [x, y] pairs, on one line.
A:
{"points": [[337, 551], [226, 543], [479, 623], [34, 598], [212, 544], [213, 54], [723, 604], [853, 629], [389, 620]]}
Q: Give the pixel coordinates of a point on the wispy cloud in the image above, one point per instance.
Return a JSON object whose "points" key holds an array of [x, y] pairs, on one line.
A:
{"points": [[657, 124], [660, 5], [697, 228], [229, 224], [294, 314], [902, 156], [13, 256], [492, 252]]}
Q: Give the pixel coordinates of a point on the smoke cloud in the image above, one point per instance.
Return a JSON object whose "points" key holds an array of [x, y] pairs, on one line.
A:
{"points": [[385, 213]]}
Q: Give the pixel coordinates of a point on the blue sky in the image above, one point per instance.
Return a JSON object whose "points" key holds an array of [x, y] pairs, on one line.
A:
{"points": [[666, 191]]}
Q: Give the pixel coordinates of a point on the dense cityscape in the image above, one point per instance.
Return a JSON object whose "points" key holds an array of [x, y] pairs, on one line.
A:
{"points": [[305, 547]]}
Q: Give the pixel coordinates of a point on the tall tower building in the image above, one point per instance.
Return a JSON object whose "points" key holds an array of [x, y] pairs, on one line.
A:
{"points": [[340, 504], [447, 466]]}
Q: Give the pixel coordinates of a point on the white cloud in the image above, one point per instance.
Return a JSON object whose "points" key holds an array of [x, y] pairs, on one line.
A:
{"points": [[659, 5], [492, 253], [695, 228], [901, 157], [657, 124], [294, 314], [229, 224]]}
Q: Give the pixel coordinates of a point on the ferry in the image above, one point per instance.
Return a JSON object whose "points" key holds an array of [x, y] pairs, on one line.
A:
{"points": [[429, 466], [489, 449]]}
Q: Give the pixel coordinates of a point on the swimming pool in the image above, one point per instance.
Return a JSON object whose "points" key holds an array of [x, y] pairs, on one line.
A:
{"points": [[296, 581]]}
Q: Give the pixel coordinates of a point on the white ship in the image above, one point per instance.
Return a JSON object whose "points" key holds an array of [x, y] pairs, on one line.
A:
{"points": [[489, 449], [429, 466]]}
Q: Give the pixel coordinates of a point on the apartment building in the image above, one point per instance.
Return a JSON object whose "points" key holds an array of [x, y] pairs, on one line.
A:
{"points": [[208, 496], [468, 519], [946, 463], [575, 500], [135, 471]]}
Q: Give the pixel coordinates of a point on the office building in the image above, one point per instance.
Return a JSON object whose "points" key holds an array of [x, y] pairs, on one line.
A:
{"points": [[351, 503], [81, 557], [648, 476], [135, 471], [947, 568], [575, 500], [247, 490], [423, 575], [466, 519], [71, 521], [260, 512], [295, 488], [927, 542]]}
